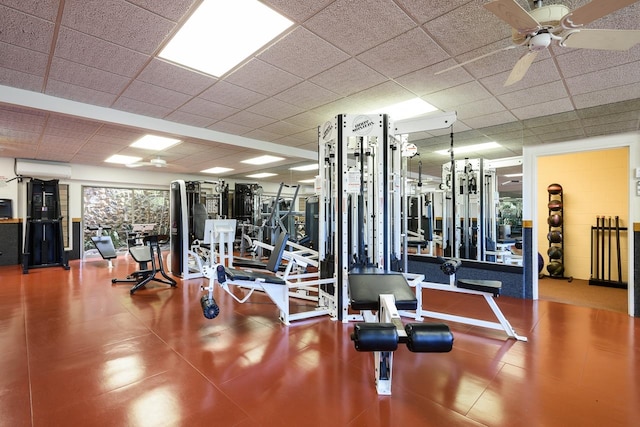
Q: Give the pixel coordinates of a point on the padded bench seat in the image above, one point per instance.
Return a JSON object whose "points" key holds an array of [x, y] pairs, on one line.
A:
{"points": [[365, 291], [490, 286], [237, 274]]}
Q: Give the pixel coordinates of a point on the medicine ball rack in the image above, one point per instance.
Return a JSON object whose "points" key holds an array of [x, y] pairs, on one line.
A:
{"points": [[556, 233]]}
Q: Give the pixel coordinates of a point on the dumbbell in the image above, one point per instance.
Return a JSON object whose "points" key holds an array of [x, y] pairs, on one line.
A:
{"points": [[209, 306]]}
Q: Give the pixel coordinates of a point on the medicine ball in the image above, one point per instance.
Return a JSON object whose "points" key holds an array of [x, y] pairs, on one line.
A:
{"points": [[554, 252], [554, 189], [555, 205], [540, 263], [555, 268], [555, 220], [554, 237]]}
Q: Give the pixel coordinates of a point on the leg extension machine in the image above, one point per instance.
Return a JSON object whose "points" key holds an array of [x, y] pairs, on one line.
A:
{"points": [[381, 333]]}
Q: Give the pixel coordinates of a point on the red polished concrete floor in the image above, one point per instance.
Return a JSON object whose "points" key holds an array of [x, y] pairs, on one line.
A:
{"points": [[77, 351]]}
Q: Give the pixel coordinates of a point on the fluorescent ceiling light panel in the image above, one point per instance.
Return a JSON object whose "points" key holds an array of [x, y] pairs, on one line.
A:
{"points": [[406, 109], [513, 175], [222, 33], [123, 160], [262, 160], [310, 167], [154, 142], [307, 181], [262, 175], [217, 170], [471, 148]]}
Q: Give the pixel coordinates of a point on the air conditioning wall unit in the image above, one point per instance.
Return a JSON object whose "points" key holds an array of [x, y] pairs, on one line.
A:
{"points": [[35, 169]]}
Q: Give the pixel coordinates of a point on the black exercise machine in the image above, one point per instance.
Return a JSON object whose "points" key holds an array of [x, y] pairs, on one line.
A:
{"points": [[149, 258], [381, 333]]}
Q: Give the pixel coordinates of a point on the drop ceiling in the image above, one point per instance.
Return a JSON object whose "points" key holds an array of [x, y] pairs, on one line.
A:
{"points": [[95, 84]]}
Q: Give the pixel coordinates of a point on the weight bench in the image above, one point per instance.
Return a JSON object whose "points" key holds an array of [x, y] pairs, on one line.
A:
{"points": [[381, 334], [146, 255], [488, 289], [278, 287]]}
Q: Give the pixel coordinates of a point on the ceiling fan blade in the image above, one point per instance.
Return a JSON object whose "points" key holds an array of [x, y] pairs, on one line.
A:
{"points": [[602, 39], [595, 9], [513, 14], [477, 58], [521, 67]]}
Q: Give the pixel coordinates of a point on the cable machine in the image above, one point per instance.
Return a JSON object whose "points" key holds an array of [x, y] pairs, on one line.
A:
{"points": [[43, 241], [470, 202], [360, 188], [188, 214]]}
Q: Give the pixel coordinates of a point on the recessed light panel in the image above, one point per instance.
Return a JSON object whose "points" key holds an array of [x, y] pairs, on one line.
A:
{"points": [[471, 148], [310, 167], [222, 33], [123, 160], [217, 170], [262, 175], [262, 160], [154, 142], [406, 109]]}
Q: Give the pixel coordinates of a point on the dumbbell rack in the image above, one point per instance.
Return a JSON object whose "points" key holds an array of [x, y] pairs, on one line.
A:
{"points": [[555, 267]]}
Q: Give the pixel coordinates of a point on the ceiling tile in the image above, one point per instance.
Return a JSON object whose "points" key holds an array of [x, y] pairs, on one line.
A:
{"points": [[79, 93], [85, 49], [612, 128], [20, 80], [140, 107], [306, 120], [263, 78], [262, 135], [351, 23], [607, 96], [212, 110], [23, 60], [85, 76], [171, 76], [492, 119], [467, 92], [283, 128], [581, 61], [303, 54], [228, 127], [423, 11], [155, 95], [550, 107], [424, 81], [234, 96], [603, 110], [478, 108], [467, 28], [98, 17], [25, 30], [540, 73], [620, 75], [275, 109], [534, 95], [183, 117], [388, 93], [246, 118], [555, 127], [45, 9], [349, 77], [307, 95], [404, 54], [173, 10], [298, 11]]}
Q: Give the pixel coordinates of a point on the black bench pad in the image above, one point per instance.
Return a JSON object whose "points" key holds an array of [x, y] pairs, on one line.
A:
{"points": [[252, 276], [365, 291], [489, 286]]}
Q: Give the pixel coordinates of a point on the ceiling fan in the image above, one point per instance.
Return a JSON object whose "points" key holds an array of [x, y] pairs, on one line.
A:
{"points": [[545, 25], [158, 162]]}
